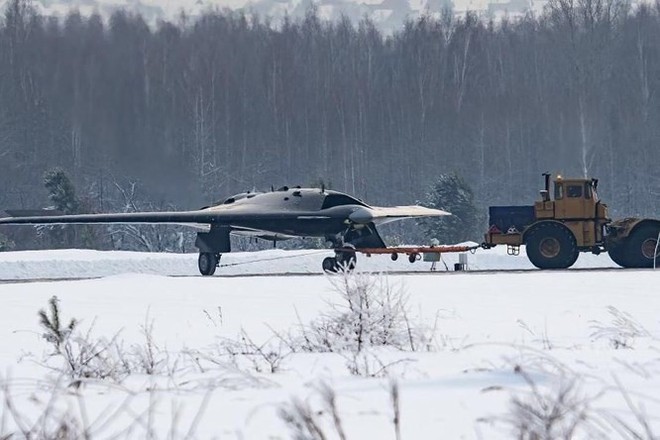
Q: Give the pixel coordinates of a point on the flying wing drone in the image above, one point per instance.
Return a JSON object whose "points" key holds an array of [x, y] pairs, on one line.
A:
{"points": [[348, 223]]}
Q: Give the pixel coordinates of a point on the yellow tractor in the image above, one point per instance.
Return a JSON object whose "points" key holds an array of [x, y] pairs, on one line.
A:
{"points": [[556, 229]]}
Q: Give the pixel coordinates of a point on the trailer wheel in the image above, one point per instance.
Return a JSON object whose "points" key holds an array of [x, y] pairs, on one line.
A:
{"points": [[551, 246], [641, 247]]}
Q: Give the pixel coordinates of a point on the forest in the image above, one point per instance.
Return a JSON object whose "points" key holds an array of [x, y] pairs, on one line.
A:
{"points": [[182, 114]]}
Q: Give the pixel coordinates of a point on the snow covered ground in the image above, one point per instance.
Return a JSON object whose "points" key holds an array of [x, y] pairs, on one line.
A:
{"points": [[511, 351], [59, 264]]}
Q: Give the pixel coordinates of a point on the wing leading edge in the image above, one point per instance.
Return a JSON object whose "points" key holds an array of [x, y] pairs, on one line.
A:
{"points": [[183, 217], [192, 218], [380, 215]]}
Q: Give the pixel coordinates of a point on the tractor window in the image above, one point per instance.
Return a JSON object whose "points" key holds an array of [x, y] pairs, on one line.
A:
{"points": [[559, 191], [574, 191], [587, 190]]}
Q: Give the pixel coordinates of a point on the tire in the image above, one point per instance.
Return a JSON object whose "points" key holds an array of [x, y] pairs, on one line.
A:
{"points": [[576, 254], [329, 265], [640, 247], [345, 260], [617, 252], [207, 262], [551, 246]]}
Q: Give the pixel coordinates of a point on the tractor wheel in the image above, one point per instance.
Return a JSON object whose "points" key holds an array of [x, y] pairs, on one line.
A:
{"points": [[329, 265], [551, 246], [207, 262], [617, 252], [641, 246]]}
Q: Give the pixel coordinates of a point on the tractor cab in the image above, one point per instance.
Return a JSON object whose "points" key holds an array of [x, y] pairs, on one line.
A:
{"points": [[573, 199]]}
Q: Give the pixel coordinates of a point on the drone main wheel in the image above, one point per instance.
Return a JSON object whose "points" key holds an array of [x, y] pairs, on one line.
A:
{"points": [[207, 262], [346, 260], [330, 265]]}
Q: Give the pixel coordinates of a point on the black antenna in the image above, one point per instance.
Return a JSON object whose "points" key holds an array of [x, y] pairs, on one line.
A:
{"points": [[272, 188], [322, 187]]}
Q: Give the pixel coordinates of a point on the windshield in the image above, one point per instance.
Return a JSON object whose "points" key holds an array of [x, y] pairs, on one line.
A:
{"points": [[332, 200]]}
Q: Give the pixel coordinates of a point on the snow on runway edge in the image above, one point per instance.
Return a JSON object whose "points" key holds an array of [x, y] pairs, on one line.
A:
{"points": [[76, 263]]}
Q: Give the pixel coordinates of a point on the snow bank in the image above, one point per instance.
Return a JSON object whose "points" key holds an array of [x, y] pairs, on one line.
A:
{"points": [[63, 264]]}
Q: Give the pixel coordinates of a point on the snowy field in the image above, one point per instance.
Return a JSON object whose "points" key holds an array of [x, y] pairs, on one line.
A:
{"points": [[565, 354]]}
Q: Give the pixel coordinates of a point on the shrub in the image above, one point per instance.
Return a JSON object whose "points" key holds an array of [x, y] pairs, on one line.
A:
{"points": [[547, 415], [372, 314], [85, 356]]}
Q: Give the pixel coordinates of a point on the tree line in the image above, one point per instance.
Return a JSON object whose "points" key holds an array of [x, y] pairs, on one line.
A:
{"points": [[184, 113]]}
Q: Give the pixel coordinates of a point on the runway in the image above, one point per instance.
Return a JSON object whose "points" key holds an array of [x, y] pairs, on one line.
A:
{"points": [[320, 274]]}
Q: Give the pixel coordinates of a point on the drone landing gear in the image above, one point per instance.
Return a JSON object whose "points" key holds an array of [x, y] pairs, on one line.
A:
{"points": [[207, 263], [343, 261], [211, 246], [329, 265]]}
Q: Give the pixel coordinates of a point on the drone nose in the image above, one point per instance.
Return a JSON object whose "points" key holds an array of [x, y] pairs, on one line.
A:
{"points": [[361, 216]]}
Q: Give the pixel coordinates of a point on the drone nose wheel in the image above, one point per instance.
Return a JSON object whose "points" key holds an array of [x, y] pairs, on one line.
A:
{"points": [[207, 263]]}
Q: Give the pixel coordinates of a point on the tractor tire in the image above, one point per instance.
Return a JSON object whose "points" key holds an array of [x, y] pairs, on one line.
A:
{"points": [[641, 245], [551, 246], [207, 262], [617, 252]]}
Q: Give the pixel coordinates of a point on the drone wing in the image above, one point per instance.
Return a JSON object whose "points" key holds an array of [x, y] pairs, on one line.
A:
{"points": [[183, 217], [388, 214], [233, 217]]}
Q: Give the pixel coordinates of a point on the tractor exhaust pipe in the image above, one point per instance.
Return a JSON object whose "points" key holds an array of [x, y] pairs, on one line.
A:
{"points": [[545, 193]]}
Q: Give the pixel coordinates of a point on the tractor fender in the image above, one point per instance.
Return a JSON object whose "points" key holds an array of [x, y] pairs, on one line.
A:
{"points": [[542, 222], [619, 230], [632, 243]]}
